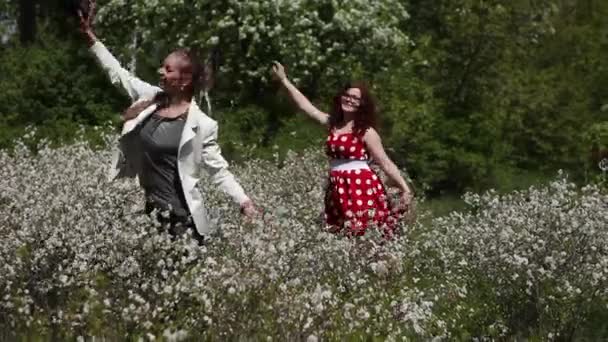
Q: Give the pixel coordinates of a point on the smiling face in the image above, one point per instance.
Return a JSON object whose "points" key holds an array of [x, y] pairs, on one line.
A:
{"points": [[350, 101], [354, 102], [173, 78]]}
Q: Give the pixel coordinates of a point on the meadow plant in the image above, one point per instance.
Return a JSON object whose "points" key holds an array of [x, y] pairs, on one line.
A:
{"points": [[80, 258], [532, 262]]}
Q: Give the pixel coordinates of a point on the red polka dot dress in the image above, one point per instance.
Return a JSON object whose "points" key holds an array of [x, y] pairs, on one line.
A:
{"points": [[355, 195]]}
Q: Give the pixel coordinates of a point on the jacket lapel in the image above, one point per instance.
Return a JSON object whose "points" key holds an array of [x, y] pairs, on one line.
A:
{"points": [[131, 124], [190, 127]]}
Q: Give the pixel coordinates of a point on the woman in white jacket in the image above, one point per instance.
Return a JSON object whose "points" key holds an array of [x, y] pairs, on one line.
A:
{"points": [[166, 140]]}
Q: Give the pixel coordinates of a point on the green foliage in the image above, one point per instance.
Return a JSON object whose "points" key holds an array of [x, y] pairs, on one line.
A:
{"points": [[50, 86], [266, 132], [7, 20], [512, 87]]}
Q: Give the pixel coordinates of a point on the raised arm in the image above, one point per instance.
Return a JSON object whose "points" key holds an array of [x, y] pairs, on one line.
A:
{"points": [[301, 101], [119, 76], [374, 146]]}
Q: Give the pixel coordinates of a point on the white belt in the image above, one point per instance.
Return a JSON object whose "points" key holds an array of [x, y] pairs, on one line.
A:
{"points": [[346, 164]]}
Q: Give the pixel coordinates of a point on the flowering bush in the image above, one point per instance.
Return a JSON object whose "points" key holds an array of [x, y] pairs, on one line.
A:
{"points": [[79, 258], [316, 38], [534, 260]]}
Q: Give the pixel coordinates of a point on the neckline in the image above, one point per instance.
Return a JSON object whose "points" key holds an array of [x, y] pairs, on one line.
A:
{"points": [[181, 117], [339, 134]]}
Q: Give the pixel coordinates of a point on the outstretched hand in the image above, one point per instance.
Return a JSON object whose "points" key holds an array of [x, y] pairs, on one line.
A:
{"points": [[278, 71], [86, 18], [86, 21], [249, 210]]}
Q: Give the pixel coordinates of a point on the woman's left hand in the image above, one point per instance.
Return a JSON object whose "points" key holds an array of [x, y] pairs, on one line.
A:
{"points": [[278, 71], [248, 209], [406, 199]]}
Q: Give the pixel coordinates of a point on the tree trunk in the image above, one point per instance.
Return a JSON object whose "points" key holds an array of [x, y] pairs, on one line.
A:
{"points": [[134, 46], [27, 21]]}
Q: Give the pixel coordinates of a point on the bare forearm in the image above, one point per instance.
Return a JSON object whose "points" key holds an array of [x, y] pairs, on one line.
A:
{"points": [[90, 37], [374, 145], [294, 93], [393, 173]]}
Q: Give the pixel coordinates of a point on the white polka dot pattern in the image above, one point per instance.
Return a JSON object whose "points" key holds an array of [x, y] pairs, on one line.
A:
{"points": [[346, 146], [354, 197]]}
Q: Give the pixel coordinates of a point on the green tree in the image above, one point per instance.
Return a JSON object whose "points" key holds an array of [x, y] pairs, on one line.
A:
{"points": [[48, 85], [321, 41]]}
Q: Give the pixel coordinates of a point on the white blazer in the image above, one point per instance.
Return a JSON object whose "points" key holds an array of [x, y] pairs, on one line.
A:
{"points": [[198, 146]]}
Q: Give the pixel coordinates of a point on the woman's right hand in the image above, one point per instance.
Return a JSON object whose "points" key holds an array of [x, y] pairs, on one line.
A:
{"points": [[86, 22], [278, 71]]}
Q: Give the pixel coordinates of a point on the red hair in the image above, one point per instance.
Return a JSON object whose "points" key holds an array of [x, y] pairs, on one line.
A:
{"points": [[366, 115]]}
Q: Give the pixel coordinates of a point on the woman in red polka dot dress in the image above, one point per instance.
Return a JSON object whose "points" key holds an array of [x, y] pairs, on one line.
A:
{"points": [[355, 195]]}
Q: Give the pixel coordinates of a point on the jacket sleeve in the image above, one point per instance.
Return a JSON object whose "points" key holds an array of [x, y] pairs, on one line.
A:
{"points": [[119, 76], [217, 167]]}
